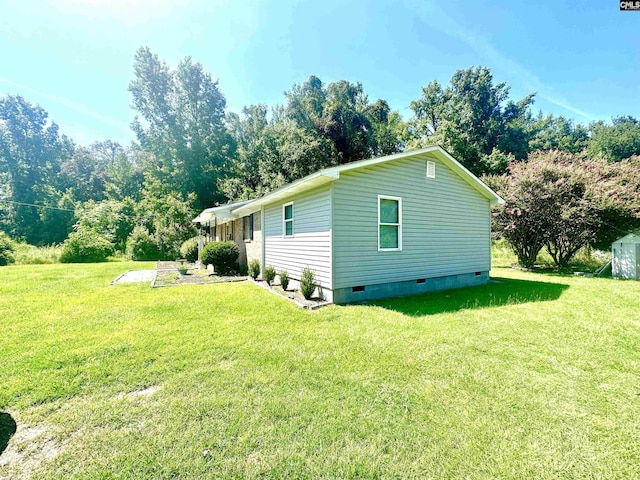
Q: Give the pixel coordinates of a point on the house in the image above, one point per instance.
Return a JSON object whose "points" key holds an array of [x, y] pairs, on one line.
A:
{"points": [[625, 257], [401, 224]]}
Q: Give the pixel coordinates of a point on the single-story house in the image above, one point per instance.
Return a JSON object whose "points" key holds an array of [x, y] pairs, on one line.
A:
{"points": [[401, 224]]}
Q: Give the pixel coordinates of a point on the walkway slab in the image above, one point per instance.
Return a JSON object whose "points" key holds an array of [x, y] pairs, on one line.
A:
{"points": [[135, 276]]}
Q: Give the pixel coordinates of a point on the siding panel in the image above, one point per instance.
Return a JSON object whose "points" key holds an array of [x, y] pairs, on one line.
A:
{"points": [[445, 225], [311, 243]]}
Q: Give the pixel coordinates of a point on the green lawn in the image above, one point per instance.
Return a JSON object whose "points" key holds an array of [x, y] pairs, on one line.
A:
{"points": [[533, 376]]}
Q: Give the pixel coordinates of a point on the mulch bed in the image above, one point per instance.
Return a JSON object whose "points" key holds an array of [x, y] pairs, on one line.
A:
{"points": [[168, 276], [292, 295]]}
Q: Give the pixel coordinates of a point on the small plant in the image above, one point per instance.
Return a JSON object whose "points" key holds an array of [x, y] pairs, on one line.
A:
{"points": [[189, 249], [182, 268], [244, 270], [7, 248], [222, 255], [284, 279], [269, 274], [254, 268], [307, 283], [85, 245]]}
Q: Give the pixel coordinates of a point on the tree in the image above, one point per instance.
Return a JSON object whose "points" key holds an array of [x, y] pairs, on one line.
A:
{"points": [[614, 142], [181, 123], [31, 153], [471, 117], [558, 133], [564, 201]]}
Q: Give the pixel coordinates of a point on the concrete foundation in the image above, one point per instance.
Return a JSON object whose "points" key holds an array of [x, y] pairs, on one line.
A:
{"points": [[411, 287]]}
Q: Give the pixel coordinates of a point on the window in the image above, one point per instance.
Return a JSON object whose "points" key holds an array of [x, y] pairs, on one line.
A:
{"points": [[287, 219], [431, 169], [247, 227], [389, 223]]}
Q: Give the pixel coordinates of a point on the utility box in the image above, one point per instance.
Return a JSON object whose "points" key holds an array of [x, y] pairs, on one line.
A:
{"points": [[625, 260]]}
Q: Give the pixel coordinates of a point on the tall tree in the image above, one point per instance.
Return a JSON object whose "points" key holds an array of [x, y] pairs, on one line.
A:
{"points": [[471, 117], [614, 142], [557, 133], [31, 153], [182, 123]]}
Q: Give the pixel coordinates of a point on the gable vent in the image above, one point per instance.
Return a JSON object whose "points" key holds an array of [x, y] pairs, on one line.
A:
{"points": [[431, 169]]}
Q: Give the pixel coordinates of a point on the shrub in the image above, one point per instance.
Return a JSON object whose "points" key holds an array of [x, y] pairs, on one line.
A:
{"points": [[189, 249], [307, 283], [7, 248], [284, 279], [269, 274], [254, 268], [141, 245], [85, 245], [26, 254], [222, 255], [182, 268]]}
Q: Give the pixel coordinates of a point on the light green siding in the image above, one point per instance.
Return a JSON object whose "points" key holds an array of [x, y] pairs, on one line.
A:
{"points": [[445, 225], [310, 244]]}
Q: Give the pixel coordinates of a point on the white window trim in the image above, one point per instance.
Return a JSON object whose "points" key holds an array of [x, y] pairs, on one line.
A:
{"points": [[399, 224], [284, 220]]}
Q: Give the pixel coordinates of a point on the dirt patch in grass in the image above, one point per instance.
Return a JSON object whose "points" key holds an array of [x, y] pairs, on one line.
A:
{"points": [[29, 448], [145, 392]]}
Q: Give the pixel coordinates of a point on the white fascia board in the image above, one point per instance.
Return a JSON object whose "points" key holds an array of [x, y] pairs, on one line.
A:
{"points": [[307, 183]]}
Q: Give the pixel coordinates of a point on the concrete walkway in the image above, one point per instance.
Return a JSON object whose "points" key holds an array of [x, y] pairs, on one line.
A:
{"points": [[135, 276]]}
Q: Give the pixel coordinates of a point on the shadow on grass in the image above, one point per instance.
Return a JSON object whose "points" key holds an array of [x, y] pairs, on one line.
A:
{"points": [[499, 292], [7, 429]]}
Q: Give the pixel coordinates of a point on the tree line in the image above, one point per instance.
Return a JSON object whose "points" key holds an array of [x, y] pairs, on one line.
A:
{"points": [[190, 152]]}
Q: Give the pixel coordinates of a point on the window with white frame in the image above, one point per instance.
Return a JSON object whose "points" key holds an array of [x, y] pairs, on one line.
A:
{"points": [[287, 219], [389, 223]]}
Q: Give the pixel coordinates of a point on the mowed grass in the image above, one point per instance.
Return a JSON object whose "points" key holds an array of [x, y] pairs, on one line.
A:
{"points": [[534, 376]]}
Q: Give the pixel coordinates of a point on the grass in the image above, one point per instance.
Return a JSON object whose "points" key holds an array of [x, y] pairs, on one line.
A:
{"points": [[535, 376]]}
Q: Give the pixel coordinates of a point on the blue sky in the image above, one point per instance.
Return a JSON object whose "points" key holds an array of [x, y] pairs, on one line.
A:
{"points": [[75, 57]]}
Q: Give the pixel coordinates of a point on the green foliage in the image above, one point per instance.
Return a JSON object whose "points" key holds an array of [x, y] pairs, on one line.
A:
{"points": [[31, 152], [7, 249], [85, 246], [182, 127], [222, 255], [558, 133], [471, 118], [189, 249], [254, 268], [112, 219], [617, 141], [320, 126], [269, 274], [26, 254], [142, 245], [284, 279], [182, 268], [563, 202], [307, 283]]}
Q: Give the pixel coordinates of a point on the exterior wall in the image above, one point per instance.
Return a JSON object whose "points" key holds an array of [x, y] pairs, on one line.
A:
{"points": [[446, 227], [310, 245], [409, 287], [625, 260], [253, 247]]}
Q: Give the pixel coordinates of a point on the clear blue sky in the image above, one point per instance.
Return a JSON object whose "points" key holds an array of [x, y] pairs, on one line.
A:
{"points": [[74, 57]]}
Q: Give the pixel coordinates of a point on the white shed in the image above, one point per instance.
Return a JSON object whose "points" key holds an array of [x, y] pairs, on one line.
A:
{"points": [[626, 257]]}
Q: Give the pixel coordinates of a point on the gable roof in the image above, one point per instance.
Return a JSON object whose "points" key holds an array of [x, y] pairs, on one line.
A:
{"points": [[222, 212], [333, 173], [631, 238]]}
